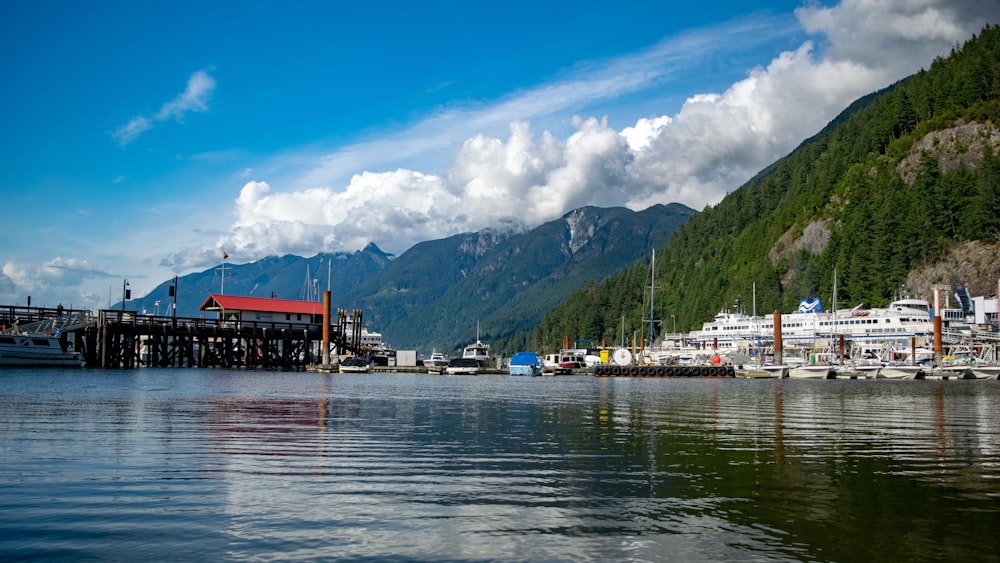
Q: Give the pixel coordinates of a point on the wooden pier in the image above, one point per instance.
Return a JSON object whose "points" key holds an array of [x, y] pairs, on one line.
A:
{"points": [[126, 340]]}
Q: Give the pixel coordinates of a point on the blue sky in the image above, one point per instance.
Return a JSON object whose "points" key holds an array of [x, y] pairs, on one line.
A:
{"points": [[140, 140]]}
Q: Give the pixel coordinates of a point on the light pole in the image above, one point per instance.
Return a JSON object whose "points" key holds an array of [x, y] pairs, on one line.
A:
{"points": [[126, 293], [173, 293], [157, 307], [674, 318]]}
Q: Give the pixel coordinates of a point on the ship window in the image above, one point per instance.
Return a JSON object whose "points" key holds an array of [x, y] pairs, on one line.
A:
{"points": [[39, 342], [7, 340]]}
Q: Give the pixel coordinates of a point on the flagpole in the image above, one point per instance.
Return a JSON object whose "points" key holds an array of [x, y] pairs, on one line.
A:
{"points": [[222, 289]]}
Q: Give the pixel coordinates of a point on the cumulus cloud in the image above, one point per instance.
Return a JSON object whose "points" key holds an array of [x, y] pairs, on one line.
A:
{"points": [[194, 98], [714, 143], [49, 283], [877, 33]]}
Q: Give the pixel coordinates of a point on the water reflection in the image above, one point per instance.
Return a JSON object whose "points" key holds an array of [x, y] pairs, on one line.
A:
{"points": [[303, 466]]}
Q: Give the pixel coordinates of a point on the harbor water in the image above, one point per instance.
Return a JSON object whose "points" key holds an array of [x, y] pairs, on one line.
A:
{"points": [[226, 465]]}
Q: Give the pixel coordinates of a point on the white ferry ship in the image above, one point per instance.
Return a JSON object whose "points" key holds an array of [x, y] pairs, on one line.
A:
{"points": [[902, 319]]}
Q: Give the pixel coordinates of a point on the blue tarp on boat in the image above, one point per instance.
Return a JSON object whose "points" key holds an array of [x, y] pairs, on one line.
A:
{"points": [[525, 363]]}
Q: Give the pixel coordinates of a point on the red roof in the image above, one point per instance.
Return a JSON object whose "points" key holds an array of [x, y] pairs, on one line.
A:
{"points": [[261, 304]]}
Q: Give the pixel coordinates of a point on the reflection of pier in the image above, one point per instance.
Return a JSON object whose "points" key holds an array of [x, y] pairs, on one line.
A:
{"points": [[124, 339]]}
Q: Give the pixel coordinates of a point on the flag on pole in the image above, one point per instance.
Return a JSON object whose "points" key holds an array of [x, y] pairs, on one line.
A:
{"points": [[225, 255]]}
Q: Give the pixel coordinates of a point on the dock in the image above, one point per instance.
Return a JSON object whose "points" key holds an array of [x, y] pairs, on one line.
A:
{"points": [[125, 340]]}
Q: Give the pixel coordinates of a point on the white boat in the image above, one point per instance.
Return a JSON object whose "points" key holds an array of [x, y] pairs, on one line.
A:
{"points": [[894, 370], [462, 366], [525, 363], [818, 371], [972, 370], [436, 362], [36, 350], [479, 351], [985, 372], [776, 370], [964, 362], [555, 364], [42, 343], [869, 371], [356, 364]]}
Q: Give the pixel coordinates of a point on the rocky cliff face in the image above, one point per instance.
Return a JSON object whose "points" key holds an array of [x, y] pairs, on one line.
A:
{"points": [[962, 144], [976, 264]]}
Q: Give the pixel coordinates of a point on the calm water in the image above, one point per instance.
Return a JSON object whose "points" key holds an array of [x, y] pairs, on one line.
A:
{"points": [[182, 464]]}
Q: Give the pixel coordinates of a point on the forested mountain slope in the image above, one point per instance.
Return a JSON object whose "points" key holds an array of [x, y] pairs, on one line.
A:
{"points": [[435, 294], [899, 192]]}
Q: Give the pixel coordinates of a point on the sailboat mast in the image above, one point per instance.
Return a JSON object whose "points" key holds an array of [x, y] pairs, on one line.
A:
{"points": [[756, 334], [652, 292]]}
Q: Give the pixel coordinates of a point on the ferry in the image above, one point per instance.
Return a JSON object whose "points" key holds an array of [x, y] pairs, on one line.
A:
{"points": [[902, 319]]}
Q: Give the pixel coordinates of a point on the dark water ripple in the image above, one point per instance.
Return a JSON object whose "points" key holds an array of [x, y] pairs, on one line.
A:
{"points": [[223, 465]]}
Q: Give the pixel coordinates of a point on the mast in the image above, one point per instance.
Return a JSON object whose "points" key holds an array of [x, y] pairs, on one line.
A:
{"points": [[756, 336], [652, 292]]}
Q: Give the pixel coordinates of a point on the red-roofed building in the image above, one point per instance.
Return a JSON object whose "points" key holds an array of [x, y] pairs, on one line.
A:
{"points": [[264, 309]]}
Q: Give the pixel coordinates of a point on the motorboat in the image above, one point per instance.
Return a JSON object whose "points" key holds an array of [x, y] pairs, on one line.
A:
{"points": [[479, 352], [776, 370], [41, 350], [42, 343], [356, 364], [894, 370], [525, 363], [462, 366], [815, 371], [436, 362]]}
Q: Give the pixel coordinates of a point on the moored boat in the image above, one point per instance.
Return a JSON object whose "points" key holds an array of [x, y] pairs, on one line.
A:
{"points": [[43, 343], [356, 364], [37, 350], [525, 363], [776, 370], [901, 320], [436, 362], [817, 371], [902, 371], [479, 351], [462, 366], [972, 371]]}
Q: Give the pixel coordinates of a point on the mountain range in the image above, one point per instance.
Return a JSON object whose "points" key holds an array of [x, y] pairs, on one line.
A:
{"points": [[898, 193], [441, 294]]}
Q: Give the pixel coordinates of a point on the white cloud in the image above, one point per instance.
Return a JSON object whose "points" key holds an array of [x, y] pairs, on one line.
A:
{"points": [[714, 143], [195, 97], [50, 283], [131, 130], [897, 34]]}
